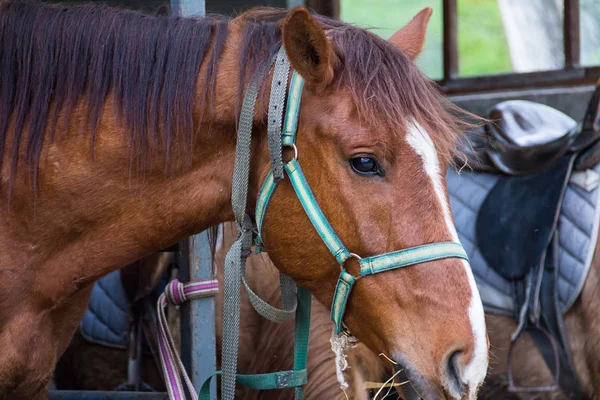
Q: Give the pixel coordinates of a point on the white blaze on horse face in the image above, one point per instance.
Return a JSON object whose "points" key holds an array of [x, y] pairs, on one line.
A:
{"points": [[476, 370]]}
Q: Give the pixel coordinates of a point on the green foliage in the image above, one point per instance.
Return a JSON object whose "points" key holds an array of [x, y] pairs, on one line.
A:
{"points": [[482, 45]]}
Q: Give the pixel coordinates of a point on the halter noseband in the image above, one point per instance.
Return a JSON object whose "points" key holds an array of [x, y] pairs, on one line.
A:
{"points": [[368, 265]]}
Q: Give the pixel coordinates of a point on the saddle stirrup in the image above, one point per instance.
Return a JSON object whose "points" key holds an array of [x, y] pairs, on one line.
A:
{"points": [[512, 387]]}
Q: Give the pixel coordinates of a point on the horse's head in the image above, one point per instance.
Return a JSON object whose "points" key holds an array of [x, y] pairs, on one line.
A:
{"points": [[374, 141]]}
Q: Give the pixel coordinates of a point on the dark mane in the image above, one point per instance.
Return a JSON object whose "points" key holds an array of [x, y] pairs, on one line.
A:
{"points": [[53, 56]]}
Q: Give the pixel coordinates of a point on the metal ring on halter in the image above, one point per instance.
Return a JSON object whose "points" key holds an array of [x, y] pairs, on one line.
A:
{"points": [[293, 145], [348, 334], [358, 258]]}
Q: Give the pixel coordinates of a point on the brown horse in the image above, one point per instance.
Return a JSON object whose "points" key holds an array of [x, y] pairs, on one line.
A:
{"points": [[582, 326], [117, 140]]}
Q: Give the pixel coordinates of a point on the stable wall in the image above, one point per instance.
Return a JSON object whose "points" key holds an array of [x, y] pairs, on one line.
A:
{"points": [[572, 101]]}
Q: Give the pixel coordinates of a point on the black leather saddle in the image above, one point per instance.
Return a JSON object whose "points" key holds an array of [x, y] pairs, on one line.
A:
{"points": [[524, 138], [533, 148], [517, 219]]}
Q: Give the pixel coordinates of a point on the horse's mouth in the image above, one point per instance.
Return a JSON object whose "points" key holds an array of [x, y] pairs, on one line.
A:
{"points": [[407, 390], [413, 386]]}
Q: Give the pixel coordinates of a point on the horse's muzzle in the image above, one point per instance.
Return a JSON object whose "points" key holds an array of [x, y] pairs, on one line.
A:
{"points": [[449, 386]]}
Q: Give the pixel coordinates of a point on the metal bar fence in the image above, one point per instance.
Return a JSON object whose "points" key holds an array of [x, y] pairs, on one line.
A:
{"points": [[572, 74], [450, 23]]}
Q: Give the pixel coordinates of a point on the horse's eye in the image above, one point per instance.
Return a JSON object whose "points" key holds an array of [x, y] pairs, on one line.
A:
{"points": [[365, 166]]}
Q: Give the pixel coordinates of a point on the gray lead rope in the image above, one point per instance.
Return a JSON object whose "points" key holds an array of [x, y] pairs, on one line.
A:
{"points": [[276, 105], [279, 85], [236, 257], [235, 260]]}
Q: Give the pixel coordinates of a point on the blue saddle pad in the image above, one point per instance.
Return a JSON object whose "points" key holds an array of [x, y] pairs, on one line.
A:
{"points": [[105, 320], [578, 226]]}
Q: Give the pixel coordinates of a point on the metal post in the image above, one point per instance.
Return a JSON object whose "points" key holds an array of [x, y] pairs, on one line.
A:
{"points": [[188, 8], [571, 34], [198, 341], [329, 8], [294, 3], [450, 40]]}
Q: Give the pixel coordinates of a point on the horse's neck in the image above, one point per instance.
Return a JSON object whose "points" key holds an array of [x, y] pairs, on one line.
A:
{"points": [[93, 216]]}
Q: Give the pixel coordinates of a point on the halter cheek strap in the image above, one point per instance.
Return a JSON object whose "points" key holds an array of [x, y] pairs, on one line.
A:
{"points": [[369, 265]]}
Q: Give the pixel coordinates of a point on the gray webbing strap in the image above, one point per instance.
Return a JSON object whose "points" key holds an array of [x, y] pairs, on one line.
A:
{"points": [[236, 257], [235, 260], [289, 297], [279, 85], [288, 289], [276, 103]]}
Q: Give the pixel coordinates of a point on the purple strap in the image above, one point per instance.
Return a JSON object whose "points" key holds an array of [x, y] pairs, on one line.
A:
{"points": [[177, 293]]}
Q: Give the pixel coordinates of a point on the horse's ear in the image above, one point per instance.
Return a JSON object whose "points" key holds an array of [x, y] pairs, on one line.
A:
{"points": [[307, 47], [411, 37]]}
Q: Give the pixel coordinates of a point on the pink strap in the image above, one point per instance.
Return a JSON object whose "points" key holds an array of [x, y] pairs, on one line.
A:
{"points": [[177, 293]]}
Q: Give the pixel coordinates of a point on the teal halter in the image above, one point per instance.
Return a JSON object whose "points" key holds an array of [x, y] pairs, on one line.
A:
{"points": [[369, 265], [295, 300]]}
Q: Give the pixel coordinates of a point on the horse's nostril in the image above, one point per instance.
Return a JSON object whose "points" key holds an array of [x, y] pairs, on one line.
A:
{"points": [[453, 374]]}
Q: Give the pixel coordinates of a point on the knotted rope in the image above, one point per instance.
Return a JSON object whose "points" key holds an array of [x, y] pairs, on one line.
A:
{"points": [[177, 293]]}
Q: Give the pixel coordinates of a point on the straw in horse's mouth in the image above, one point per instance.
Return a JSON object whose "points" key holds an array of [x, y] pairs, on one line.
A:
{"points": [[409, 392], [398, 379]]}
